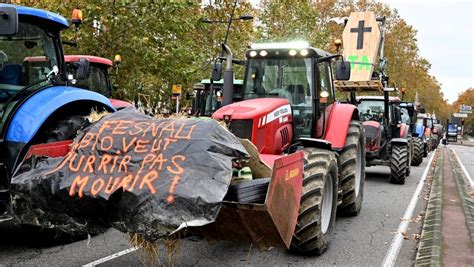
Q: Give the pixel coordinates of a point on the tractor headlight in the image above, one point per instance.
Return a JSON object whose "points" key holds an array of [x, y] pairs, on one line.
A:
{"points": [[304, 52], [292, 52], [253, 53], [263, 53]]}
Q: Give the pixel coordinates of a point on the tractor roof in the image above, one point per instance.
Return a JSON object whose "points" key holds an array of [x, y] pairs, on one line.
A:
{"points": [[273, 47], [92, 59], [221, 81], [52, 18], [392, 99]]}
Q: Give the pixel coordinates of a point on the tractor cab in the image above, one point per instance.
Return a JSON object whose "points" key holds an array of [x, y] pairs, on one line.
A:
{"points": [[98, 79], [293, 73], [207, 96], [380, 126]]}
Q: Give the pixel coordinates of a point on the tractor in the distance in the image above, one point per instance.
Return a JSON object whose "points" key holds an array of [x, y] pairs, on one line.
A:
{"points": [[387, 141], [387, 138], [208, 94], [289, 105], [409, 117], [42, 105]]}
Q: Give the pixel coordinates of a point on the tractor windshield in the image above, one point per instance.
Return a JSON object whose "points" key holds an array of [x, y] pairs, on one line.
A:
{"points": [[371, 110], [405, 116], [97, 81], [285, 78], [25, 58]]}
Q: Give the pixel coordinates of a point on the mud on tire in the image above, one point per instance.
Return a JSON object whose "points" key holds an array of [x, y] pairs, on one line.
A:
{"points": [[417, 157], [318, 210], [352, 171], [398, 164]]}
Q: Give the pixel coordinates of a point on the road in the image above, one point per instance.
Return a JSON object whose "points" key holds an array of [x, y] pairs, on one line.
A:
{"points": [[361, 240], [465, 154]]}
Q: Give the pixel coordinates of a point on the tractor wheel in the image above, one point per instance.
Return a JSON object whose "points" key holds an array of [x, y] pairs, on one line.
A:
{"points": [[254, 191], [318, 203], [63, 129], [417, 157], [352, 170], [66, 129], [398, 164], [410, 153]]}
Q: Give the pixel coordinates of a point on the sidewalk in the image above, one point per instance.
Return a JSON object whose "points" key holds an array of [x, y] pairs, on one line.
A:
{"points": [[448, 231]]}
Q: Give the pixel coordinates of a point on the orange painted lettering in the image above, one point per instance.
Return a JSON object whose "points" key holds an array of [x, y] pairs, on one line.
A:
{"points": [[103, 163], [121, 127], [124, 162], [80, 182], [106, 143], [89, 166], [148, 180], [125, 147], [179, 169], [160, 160], [78, 166], [97, 185], [141, 146]]}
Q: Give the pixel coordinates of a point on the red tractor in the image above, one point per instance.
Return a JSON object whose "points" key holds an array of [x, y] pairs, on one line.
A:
{"points": [[289, 105], [387, 137], [97, 80]]}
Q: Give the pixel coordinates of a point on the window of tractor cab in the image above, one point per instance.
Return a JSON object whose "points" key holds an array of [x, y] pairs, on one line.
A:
{"points": [[371, 110], [405, 116], [97, 81], [283, 78], [25, 58]]}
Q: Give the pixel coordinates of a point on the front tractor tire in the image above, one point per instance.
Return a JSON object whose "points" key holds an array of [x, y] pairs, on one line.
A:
{"points": [[398, 164], [318, 203], [352, 170], [417, 157]]}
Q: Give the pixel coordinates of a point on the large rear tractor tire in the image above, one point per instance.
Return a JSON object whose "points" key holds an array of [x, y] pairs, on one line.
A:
{"points": [[352, 171], [318, 203], [61, 130], [398, 164], [417, 157]]}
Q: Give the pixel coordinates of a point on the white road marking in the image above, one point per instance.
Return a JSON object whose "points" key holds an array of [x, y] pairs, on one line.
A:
{"points": [[111, 257], [469, 178], [394, 249]]}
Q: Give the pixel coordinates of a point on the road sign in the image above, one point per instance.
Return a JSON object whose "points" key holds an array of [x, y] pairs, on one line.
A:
{"points": [[460, 115], [466, 109], [176, 89]]}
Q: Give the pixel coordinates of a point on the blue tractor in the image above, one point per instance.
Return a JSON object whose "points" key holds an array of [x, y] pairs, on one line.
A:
{"points": [[37, 105]]}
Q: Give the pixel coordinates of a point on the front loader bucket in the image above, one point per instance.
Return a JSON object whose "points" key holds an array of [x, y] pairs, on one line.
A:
{"points": [[265, 225]]}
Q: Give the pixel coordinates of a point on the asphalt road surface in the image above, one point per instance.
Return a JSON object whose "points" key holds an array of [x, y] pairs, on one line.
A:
{"points": [[362, 240]]}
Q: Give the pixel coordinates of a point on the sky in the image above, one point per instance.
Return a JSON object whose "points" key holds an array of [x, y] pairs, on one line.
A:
{"points": [[445, 38], [445, 30]]}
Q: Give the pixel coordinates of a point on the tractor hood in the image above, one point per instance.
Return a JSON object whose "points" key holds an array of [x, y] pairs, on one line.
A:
{"points": [[250, 109], [373, 131]]}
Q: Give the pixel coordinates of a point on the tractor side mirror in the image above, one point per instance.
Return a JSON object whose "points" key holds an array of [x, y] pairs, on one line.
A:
{"points": [[8, 21], [343, 70], [216, 71], [82, 69]]}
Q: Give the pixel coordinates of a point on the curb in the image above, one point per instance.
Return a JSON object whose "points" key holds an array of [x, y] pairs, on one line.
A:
{"points": [[429, 250], [467, 201]]}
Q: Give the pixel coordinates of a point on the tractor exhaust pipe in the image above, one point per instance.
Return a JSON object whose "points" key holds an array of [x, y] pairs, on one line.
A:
{"points": [[228, 90]]}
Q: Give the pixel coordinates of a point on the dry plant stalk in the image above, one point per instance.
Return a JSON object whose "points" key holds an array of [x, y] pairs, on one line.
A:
{"points": [[149, 253], [96, 116]]}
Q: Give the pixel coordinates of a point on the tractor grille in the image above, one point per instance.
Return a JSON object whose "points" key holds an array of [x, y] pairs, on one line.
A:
{"points": [[285, 136], [370, 134], [241, 128]]}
